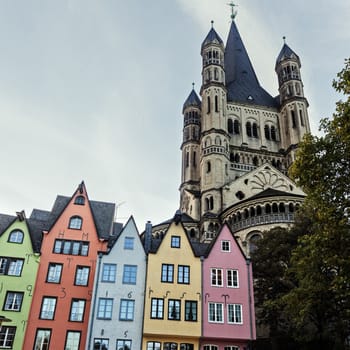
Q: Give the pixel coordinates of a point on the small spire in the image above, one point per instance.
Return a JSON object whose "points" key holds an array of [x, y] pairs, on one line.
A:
{"points": [[233, 11], [284, 39], [193, 86], [212, 23]]}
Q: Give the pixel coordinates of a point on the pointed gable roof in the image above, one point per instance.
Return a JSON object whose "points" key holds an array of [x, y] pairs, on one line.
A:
{"points": [[212, 38], [192, 101], [287, 53], [241, 81]]}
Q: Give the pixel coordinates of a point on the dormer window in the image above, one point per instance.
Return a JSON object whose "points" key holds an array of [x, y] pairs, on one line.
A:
{"points": [[225, 246], [75, 222], [80, 200], [16, 236]]}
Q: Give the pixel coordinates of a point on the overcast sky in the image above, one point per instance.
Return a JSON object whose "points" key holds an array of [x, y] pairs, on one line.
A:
{"points": [[93, 90]]}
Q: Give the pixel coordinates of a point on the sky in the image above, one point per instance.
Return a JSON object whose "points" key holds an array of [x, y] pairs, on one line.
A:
{"points": [[93, 90]]}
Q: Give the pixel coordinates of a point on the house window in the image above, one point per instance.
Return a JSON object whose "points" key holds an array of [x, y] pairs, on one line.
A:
{"points": [[11, 266], [72, 340], [77, 310], [216, 312], [168, 273], [190, 310], [157, 307], [82, 276], [16, 236], [210, 347], [75, 222], [183, 274], [64, 246], [186, 346], [48, 307], [129, 274], [105, 307], [42, 339], [225, 246], [175, 241], [174, 308], [126, 312], [216, 277], [170, 346], [80, 200], [54, 273], [231, 347], [153, 345], [13, 301], [109, 272], [232, 278], [234, 313], [7, 337], [101, 344], [123, 344], [129, 243]]}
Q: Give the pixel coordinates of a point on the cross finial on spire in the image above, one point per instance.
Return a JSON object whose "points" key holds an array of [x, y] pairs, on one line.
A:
{"points": [[212, 23], [284, 39], [193, 86], [233, 11]]}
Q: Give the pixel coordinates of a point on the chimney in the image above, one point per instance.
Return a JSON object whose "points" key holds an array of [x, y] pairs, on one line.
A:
{"points": [[148, 236]]}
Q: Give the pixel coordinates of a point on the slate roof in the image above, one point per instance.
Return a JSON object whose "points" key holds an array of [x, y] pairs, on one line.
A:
{"points": [[271, 192], [36, 228], [286, 53], [102, 212], [183, 218], [241, 81], [212, 37], [5, 222], [192, 100]]}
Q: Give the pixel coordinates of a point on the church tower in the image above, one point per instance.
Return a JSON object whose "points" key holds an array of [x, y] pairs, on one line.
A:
{"points": [[238, 143], [294, 115], [214, 156]]}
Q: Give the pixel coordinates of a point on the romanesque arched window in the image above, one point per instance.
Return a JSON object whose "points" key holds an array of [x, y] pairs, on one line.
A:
{"points": [[255, 130], [273, 133], [236, 127], [229, 126], [267, 132], [249, 129]]}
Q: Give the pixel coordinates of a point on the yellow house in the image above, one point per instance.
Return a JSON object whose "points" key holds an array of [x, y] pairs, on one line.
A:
{"points": [[172, 314]]}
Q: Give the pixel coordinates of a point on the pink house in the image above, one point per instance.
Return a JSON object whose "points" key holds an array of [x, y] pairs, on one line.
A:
{"points": [[228, 301]]}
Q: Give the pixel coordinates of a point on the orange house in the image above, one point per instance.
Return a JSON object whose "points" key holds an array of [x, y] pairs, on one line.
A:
{"points": [[78, 230]]}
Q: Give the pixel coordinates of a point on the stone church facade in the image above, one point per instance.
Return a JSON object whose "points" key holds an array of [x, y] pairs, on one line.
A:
{"points": [[238, 143]]}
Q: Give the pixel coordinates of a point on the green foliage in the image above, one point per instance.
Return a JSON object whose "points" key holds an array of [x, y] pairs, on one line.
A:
{"points": [[308, 285]]}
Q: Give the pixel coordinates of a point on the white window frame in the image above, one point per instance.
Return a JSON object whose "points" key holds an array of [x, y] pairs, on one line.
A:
{"points": [[215, 275], [226, 246], [236, 311], [230, 278], [218, 311]]}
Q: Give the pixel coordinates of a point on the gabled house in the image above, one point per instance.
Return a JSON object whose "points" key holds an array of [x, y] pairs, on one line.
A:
{"points": [[20, 240], [117, 309], [78, 229], [228, 300], [172, 316]]}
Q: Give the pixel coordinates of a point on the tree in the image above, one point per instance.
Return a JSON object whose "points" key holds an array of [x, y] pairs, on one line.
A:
{"points": [[320, 262]]}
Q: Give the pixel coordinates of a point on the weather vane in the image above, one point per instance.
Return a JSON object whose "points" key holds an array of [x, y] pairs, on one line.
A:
{"points": [[233, 11]]}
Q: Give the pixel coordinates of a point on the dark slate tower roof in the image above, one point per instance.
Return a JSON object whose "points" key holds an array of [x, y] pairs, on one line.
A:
{"points": [[212, 38], [241, 81], [192, 100], [286, 53]]}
